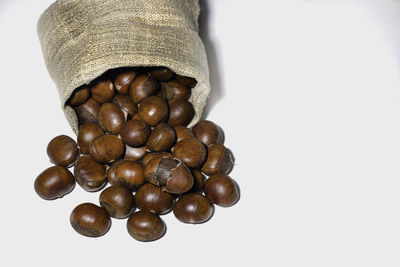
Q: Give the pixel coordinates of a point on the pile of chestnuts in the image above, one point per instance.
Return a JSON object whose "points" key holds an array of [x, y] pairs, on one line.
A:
{"points": [[133, 136]]}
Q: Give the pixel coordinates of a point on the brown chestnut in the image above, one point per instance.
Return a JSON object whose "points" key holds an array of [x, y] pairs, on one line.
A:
{"points": [[153, 110], [199, 180], [106, 148], [111, 118], [79, 96], [135, 133], [88, 111], [219, 160], [117, 201], [171, 174], [142, 87], [125, 103], [54, 182], [162, 74], [88, 132], [191, 151], [182, 133], [152, 155], [181, 112], [193, 208], [62, 150], [222, 190], [153, 198], [145, 226], [90, 220], [135, 153], [123, 81], [102, 90], [161, 138], [111, 170], [173, 90], [186, 81], [208, 133], [89, 174], [128, 174]]}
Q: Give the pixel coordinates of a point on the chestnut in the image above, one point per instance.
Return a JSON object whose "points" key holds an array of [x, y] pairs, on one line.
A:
{"points": [[89, 174], [117, 201], [106, 148], [90, 220], [135, 133], [193, 208], [135, 153], [169, 173], [62, 150], [181, 112], [126, 104], [88, 111], [191, 151], [111, 170], [102, 90], [222, 190], [79, 96], [153, 198], [162, 74], [111, 118], [123, 81], [199, 180], [145, 226], [208, 133], [152, 155], [128, 174], [88, 132], [174, 90], [161, 138], [142, 87], [54, 182], [186, 81], [182, 133], [219, 160], [153, 110]]}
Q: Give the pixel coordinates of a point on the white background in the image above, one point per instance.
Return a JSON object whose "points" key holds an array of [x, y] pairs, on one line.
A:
{"points": [[308, 93]]}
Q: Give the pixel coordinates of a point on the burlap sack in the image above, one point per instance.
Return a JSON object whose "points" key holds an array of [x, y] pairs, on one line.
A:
{"points": [[81, 39]]}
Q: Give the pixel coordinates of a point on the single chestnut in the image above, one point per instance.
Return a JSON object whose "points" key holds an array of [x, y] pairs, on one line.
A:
{"points": [[106, 148], [128, 174], [222, 190], [169, 173], [88, 132], [135, 153], [219, 160], [142, 87], [90, 220], [123, 81], [62, 150], [111, 118], [162, 74], [117, 201], [208, 133], [79, 96], [126, 104], [199, 180], [161, 138], [182, 133], [153, 198], [193, 208], [102, 90], [153, 110], [191, 151], [186, 81], [54, 182], [174, 90], [181, 112], [152, 155], [145, 226], [89, 174], [88, 111], [135, 133]]}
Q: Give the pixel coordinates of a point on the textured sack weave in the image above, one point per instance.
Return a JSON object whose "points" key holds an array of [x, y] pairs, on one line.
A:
{"points": [[81, 39]]}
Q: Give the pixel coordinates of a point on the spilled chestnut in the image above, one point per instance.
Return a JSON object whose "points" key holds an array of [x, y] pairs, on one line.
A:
{"points": [[90, 220], [152, 198], [145, 226], [193, 208], [117, 201], [222, 190], [54, 182], [62, 150]]}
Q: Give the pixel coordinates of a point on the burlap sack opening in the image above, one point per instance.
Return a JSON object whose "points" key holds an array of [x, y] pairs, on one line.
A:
{"points": [[82, 39]]}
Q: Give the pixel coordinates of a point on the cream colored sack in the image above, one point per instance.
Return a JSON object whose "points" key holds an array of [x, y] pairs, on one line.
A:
{"points": [[81, 39]]}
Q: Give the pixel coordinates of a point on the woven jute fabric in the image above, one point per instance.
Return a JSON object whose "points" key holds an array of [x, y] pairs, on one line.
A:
{"points": [[81, 39]]}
